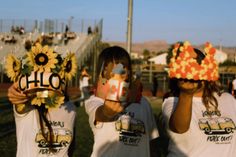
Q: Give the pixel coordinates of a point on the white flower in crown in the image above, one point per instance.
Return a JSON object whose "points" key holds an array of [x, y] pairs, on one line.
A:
{"points": [[187, 43], [194, 71], [189, 76], [178, 75], [176, 66], [181, 49], [183, 64], [187, 55], [172, 60]]}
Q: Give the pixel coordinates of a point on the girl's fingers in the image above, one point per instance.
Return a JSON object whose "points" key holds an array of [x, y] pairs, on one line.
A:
{"points": [[188, 85], [14, 91], [14, 101], [15, 95]]}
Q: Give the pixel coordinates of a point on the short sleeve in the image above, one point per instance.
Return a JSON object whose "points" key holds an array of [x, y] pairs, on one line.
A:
{"points": [[91, 106], [151, 123], [168, 108]]}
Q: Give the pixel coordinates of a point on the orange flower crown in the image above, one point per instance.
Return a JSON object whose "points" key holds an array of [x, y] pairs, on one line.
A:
{"points": [[186, 67]]}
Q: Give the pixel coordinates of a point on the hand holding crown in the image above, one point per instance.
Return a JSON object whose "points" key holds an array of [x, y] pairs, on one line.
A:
{"points": [[42, 74]]}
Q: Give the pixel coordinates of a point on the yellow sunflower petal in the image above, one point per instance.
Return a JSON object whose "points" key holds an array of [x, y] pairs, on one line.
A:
{"points": [[12, 67], [45, 49]]}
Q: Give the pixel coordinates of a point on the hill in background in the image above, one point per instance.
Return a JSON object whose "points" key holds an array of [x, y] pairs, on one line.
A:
{"points": [[161, 45], [155, 45]]}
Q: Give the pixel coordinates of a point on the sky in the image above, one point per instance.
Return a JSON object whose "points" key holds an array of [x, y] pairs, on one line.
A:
{"points": [[197, 21]]}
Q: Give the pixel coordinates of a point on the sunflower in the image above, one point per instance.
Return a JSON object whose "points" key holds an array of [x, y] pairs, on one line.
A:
{"points": [[59, 100], [38, 101], [42, 58], [69, 66], [54, 101], [12, 67]]}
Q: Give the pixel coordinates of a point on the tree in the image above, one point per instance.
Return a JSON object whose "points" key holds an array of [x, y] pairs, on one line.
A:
{"points": [[227, 63], [146, 53], [103, 45]]}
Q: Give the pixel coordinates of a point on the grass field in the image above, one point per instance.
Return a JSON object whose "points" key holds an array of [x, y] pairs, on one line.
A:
{"points": [[84, 137]]}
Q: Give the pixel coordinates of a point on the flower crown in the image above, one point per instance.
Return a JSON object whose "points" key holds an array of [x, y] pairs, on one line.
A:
{"points": [[183, 65], [42, 74]]}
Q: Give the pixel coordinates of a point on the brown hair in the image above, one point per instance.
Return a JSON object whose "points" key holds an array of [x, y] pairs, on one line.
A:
{"points": [[208, 97], [114, 54]]}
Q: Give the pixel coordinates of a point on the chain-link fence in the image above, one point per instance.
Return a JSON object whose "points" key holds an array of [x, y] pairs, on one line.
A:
{"points": [[50, 25]]}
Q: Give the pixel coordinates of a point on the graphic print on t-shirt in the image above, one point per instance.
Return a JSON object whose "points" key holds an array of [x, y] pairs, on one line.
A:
{"points": [[61, 138], [218, 129], [130, 129]]}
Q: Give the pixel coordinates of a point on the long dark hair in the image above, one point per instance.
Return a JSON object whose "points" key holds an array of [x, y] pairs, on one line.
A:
{"points": [[210, 88], [208, 98]]}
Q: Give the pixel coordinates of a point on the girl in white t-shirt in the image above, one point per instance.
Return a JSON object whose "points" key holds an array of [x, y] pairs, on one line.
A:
{"points": [[84, 83], [43, 115], [40, 131], [199, 118], [234, 87], [122, 127]]}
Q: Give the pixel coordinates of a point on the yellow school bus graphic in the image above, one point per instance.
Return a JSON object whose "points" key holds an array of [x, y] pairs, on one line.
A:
{"points": [[217, 125], [130, 126], [61, 138]]}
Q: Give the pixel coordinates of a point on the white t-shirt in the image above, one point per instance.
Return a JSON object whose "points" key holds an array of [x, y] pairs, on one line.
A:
{"points": [[30, 142], [234, 84], [128, 136], [84, 82], [207, 136]]}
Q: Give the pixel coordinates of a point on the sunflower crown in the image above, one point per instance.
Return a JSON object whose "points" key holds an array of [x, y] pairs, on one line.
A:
{"points": [[183, 65], [42, 74]]}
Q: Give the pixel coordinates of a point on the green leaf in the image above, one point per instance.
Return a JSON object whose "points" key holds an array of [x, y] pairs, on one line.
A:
{"points": [[26, 70]]}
